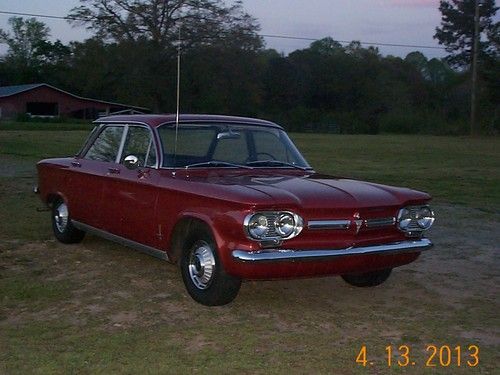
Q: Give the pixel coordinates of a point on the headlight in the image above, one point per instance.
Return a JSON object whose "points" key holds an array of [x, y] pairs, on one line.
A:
{"points": [[285, 224], [257, 226], [273, 225], [404, 219], [415, 219], [425, 217]]}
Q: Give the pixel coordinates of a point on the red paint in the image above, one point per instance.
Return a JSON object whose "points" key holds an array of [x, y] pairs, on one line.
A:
{"points": [[135, 204]]}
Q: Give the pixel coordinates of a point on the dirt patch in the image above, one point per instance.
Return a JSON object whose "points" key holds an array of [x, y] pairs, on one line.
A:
{"points": [[485, 338], [13, 166], [124, 318]]}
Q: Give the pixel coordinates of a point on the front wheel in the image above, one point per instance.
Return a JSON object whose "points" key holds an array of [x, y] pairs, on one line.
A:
{"points": [[63, 229], [203, 274], [368, 279]]}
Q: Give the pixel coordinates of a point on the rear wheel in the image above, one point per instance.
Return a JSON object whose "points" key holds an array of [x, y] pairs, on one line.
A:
{"points": [[368, 279], [203, 273], [63, 229]]}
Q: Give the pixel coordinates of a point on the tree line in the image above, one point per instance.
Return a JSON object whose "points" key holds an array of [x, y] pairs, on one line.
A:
{"points": [[226, 68]]}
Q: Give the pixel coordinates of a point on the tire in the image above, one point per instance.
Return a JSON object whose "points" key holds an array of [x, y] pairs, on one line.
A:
{"points": [[368, 279], [63, 229], [203, 273]]}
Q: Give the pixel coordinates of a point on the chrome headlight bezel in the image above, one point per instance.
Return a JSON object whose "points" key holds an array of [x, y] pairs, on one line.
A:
{"points": [[284, 226], [256, 225], [425, 217], [415, 219]]}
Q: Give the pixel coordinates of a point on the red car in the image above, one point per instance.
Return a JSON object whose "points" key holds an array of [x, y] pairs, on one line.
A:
{"points": [[229, 198]]}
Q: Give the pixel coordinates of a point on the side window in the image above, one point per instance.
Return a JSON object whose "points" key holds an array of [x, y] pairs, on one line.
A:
{"points": [[140, 144], [106, 145]]}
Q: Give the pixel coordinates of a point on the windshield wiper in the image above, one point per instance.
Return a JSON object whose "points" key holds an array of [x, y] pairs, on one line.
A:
{"points": [[214, 163], [276, 162]]}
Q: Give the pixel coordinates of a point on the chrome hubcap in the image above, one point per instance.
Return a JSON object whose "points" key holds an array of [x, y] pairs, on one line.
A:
{"points": [[61, 217], [201, 264]]}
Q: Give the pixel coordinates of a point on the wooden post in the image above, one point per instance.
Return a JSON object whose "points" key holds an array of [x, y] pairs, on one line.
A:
{"points": [[475, 53]]}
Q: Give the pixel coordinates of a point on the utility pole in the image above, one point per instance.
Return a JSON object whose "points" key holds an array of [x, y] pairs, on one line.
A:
{"points": [[475, 53]]}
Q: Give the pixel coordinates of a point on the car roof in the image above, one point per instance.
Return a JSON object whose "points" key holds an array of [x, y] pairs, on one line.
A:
{"points": [[157, 120]]}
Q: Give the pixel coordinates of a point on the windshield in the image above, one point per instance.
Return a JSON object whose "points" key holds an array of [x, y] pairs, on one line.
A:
{"points": [[228, 146]]}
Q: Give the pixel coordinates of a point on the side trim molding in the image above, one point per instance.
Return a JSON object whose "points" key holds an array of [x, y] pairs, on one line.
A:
{"points": [[122, 241]]}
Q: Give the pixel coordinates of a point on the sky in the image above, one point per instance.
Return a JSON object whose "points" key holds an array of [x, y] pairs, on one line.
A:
{"points": [[385, 21]]}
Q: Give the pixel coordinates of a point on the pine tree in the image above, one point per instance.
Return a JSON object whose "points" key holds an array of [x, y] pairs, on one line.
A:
{"points": [[457, 30]]}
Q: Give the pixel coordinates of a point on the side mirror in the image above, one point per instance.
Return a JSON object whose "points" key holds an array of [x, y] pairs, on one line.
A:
{"points": [[131, 162]]}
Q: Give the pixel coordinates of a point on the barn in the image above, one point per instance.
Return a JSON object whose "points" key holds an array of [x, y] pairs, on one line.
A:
{"points": [[44, 100]]}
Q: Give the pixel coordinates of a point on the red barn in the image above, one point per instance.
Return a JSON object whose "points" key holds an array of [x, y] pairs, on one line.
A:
{"points": [[43, 100]]}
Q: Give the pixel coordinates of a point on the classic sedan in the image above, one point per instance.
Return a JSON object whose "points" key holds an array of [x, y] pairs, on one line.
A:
{"points": [[227, 199]]}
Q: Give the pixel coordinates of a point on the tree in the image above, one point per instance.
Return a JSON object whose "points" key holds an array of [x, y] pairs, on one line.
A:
{"points": [[420, 62], [202, 21], [457, 30], [31, 57], [25, 40], [326, 46], [470, 36], [152, 27]]}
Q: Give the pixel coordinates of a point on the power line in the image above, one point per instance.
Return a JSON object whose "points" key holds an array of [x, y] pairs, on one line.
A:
{"points": [[347, 42], [42, 16], [289, 37]]}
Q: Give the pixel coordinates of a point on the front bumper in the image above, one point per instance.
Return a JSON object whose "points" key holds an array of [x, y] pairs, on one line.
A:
{"points": [[284, 255]]}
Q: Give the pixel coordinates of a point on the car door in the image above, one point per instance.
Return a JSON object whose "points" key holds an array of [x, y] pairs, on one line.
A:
{"points": [[130, 195], [88, 171]]}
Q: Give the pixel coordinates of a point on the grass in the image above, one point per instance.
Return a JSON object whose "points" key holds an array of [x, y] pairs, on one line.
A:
{"points": [[38, 144], [44, 125], [19, 152], [100, 308], [17, 289], [452, 169], [123, 312]]}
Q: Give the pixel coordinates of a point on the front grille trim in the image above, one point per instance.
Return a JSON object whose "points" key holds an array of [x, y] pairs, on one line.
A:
{"points": [[343, 224], [380, 222]]}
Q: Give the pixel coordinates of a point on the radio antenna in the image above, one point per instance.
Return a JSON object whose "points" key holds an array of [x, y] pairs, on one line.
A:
{"points": [[178, 95]]}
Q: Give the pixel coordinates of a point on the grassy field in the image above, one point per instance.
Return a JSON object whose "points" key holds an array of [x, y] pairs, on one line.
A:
{"points": [[98, 307], [80, 125], [453, 169]]}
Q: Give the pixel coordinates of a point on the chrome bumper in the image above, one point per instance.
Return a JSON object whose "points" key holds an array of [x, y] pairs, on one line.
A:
{"points": [[277, 255]]}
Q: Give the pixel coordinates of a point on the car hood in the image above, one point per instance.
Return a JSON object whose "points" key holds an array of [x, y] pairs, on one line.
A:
{"points": [[308, 191]]}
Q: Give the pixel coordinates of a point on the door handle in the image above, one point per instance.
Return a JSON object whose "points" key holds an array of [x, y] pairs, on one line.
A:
{"points": [[143, 173], [76, 164], [114, 170]]}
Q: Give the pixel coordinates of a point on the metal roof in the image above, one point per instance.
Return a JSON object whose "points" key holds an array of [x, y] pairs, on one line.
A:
{"points": [[14, 90], [157, 120]]}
